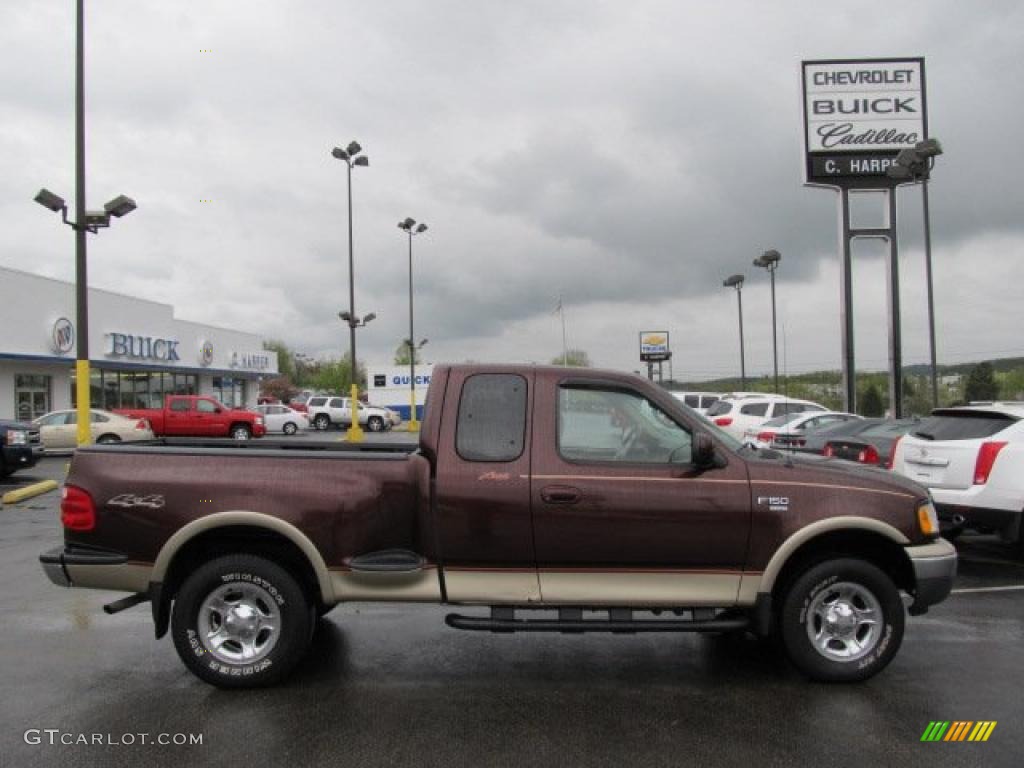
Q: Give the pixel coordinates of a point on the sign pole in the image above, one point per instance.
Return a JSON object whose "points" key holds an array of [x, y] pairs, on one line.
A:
{"points": [[846, 304], [895, 338]]}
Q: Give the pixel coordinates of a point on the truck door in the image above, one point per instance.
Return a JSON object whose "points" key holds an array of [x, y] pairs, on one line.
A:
{"points": [[177, 417], [621, 515], [210, 418], [485, 530]]}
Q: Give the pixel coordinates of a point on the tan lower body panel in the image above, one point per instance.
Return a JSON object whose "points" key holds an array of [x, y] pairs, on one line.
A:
{"points": [[414, 587], [492, 587], [639, 588], [128, 577]]}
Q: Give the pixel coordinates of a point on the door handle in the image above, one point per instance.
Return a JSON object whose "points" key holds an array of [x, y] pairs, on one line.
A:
{"points": [[560, 494]]}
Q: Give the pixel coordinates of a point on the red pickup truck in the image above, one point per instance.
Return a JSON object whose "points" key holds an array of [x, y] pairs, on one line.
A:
{"points": [[592, 494], [198, 416]]}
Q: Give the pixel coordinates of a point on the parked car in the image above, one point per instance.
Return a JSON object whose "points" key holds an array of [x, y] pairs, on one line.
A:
{"points": [[699, 401], [592, 495], [199, 416], [792, 428], [20, 446], [327, 412], [59, 429], [971, 459], [281, 418], [873, 445], [738, 412]]}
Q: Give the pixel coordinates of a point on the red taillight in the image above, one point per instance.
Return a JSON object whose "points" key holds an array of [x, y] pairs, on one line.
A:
{"points": [[765, 437], [142, 424], [723, 421], [986, 458], [77, 510], [829, 450], [868, 455], [892, 453]]}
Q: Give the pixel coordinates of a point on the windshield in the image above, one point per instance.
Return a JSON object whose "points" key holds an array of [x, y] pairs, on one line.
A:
{"points": [[780, 421]]}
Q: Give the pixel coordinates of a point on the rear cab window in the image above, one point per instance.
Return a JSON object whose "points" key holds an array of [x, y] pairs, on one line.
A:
{"points": [[491, 424]]}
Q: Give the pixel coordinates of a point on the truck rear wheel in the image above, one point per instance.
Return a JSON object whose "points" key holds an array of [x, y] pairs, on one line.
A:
{"points": [[322, 421], [842, 621], [241, 621], [375, 423]]}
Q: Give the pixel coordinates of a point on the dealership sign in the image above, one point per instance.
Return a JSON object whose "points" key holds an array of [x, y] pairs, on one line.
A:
{"points": [[62, 337], [143, 347], [858, 114], [654, 346]]}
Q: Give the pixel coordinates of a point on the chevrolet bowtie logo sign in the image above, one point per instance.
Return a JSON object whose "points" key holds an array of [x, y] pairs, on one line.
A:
{"points": [[958, 730]]}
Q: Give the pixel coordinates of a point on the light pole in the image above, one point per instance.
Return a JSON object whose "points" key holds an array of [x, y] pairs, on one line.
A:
{"points": [[736, 281], [410, 227], [770, 261], [85, 221], [352, 158], [916, 165]]}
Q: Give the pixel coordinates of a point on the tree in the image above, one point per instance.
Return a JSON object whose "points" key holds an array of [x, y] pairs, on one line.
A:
{"points": [[402, 354], [981, 383], [574, 357], [336, 376], [280, 387], [285, 357], [871, 404]]}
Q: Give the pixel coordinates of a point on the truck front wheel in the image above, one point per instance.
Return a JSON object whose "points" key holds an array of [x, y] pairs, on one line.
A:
{"points": [[241, 621], [241, 432], [842, 621], [375, 423]]}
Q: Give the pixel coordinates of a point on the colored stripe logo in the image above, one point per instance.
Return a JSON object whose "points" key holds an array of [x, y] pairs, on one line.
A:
{"points": [[958, 730]]}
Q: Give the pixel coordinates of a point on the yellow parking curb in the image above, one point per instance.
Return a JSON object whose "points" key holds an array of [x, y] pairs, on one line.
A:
{"points": [[13, 497]]}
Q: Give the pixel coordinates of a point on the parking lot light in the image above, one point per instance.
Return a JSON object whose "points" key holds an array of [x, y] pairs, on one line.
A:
{"points": [[915, 165], [770, 260], [408, 225], [352, 157], [736, 281], [48, 199]]}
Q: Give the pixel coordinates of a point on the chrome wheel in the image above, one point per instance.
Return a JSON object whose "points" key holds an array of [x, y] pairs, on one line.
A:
{"points": [[290, 429], [240, 433], [239, 623], [843, 622]]}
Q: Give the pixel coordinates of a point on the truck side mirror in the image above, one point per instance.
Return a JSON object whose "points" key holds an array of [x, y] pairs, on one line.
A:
{"points": [[703, 450]]}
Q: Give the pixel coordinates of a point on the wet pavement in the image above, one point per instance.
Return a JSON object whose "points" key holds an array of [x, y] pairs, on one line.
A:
{"points": [[391, 685]]}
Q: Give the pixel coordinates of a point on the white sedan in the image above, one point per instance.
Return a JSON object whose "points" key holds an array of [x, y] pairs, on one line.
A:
{"points": [[789, 430], [281, 418]]}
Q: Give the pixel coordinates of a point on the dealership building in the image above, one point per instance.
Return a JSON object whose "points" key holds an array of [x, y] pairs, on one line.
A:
{"points": [[139, 351]]}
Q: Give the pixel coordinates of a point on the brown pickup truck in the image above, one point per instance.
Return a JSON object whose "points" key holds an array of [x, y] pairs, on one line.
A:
{"points": [[592, 494]]}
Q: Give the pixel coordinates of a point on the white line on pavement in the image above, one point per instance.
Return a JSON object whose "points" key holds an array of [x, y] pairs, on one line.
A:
{"points": [[1012, 588]]}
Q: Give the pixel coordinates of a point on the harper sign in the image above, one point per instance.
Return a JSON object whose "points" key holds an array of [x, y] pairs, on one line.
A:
{"points": [[858, 114]]}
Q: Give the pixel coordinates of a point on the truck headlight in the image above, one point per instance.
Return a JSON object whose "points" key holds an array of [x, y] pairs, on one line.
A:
{"points": [[259, 419], [927, 519], [17, 437]]}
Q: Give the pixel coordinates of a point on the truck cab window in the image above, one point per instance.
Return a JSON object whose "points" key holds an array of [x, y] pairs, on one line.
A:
{"points": [[491, 423], [621, 426], [179, 405], [205, 406]]}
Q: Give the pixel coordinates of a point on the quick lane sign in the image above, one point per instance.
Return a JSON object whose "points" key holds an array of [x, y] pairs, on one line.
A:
{"points": [[859, 113]]}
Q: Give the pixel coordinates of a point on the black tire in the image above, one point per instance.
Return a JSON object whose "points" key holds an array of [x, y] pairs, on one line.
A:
{"points": [[241, 432], [108, 439], [271, 591], [848, 591], [322, 421], [290, 428], [375, 424]]}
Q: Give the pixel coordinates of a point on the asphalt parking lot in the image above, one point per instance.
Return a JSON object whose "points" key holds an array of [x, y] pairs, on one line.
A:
{"points": [[391, 685]]}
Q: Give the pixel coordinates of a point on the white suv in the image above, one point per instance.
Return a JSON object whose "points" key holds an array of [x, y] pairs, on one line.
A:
{"points": [[325, 412], [738, 412], [971, 459]]}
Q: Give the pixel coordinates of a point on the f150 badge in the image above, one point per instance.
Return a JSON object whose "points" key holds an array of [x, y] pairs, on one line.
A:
{"points": [[130, 501], [774, 503]]}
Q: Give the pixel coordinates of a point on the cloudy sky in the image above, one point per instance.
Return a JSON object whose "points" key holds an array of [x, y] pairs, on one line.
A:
{"points": [[627, 156]]}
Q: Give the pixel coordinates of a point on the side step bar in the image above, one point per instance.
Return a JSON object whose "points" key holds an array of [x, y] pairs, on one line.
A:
{"points": [[620, 620]]}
